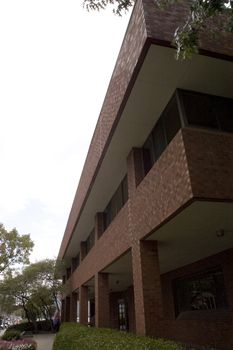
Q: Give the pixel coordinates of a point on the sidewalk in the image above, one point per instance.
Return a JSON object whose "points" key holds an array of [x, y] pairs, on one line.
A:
{"points": [[44, 341]]}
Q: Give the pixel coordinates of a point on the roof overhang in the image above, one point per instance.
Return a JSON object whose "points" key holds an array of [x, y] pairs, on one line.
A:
{"points": [[160, 74]]}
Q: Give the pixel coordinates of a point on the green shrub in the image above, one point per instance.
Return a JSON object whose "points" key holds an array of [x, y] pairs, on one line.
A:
{"points": [[11, 334], [22, 327], [73, 336], [42, 326]]}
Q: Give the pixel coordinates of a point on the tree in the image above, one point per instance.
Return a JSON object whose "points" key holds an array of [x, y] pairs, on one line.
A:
{"points": [[16, 290], [35, 289], [45, 286], [14, 248], [204, 15]]}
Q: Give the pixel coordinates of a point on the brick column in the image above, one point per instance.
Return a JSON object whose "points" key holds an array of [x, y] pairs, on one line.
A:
{"points": [[147, 286], [102, 309], [67, 309], [73, 307], [83, 250], [99, 225], [135, 169], [83, 305], [63, 306]]}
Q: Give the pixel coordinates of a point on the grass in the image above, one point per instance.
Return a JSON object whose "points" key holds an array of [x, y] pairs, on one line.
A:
{"points": [[73, 336]]}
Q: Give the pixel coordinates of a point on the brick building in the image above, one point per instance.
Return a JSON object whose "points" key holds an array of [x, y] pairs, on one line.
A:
{"points": [[149, 240]]}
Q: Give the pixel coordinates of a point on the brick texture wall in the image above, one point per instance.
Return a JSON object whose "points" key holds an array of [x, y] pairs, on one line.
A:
{"points": [[148, 25], [171, 184], [216, 331], [184, 171], [210, 163], [128, 62], [128, 296], [196, 164]]}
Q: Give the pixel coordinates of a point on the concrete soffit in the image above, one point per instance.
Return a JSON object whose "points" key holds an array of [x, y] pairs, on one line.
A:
{"points": [[158, 78], [151, 84]]}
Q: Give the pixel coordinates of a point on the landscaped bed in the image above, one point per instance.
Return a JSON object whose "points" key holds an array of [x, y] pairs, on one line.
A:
{"points": [[73, 336], [24, 344], [11, 341]]}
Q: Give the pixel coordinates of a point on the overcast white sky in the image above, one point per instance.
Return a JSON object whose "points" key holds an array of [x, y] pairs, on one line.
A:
{"points": [[56, 61]]}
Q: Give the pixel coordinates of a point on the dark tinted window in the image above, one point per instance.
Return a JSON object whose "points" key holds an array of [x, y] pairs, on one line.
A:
{"points": [[208, 110], [203, 291], [117, 201], [108, 215], [199, 109], [77, 260], [163, 132], [224, 110], [125, 189], [68, 272], [148, 154], [159, 139], [171, 119], [90, 240]]}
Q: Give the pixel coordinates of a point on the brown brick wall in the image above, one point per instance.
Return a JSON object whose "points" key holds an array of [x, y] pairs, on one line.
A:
{"points": [[128, 296], [83, 304], [102, 305], [126, 66], [216, 332], [164, 190], [161, 194], [210, 163], [196, 164], [147, 286], [172, 191], [185, 170], [148, 24], [113, 243], [73, 307], [162, 23]]}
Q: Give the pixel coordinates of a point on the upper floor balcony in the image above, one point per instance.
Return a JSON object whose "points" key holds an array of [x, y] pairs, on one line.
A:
{"points": [[188, 155]]}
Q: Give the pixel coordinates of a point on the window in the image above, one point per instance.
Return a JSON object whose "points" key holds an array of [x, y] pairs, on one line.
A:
{"points": [[207, 110], [171, 118], [122, 315], [76, 261], [202, 291], [124, 187], [224, 108], [117, 201], [159, 139], [163, 132], [199, 110], [90, 241], [68, 272]]}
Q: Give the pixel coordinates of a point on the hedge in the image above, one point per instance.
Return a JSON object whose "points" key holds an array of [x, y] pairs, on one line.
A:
{"points": [[11, 334], [42, 326], [73, 336]]}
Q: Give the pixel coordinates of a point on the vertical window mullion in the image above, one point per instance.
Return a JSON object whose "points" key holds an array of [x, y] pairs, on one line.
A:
{"points": [[182, 112]]}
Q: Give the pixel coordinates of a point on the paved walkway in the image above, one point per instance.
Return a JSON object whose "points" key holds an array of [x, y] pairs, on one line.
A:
{"points": [[44, 341]]}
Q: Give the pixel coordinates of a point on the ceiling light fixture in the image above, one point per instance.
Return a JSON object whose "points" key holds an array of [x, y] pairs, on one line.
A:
{"points": [[220, 232]]}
